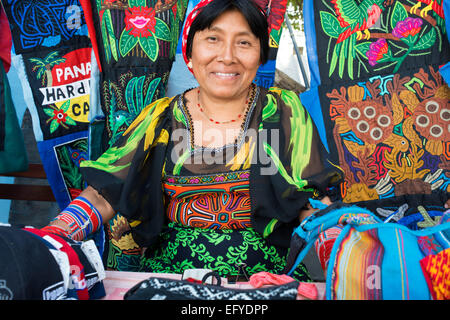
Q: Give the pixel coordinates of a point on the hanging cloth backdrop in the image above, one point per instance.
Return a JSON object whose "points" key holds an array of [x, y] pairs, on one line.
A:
{"points": [[52, 51], [265, 75], [381, 97]]}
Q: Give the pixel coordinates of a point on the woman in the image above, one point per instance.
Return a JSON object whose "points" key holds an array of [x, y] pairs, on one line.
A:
{"points": [[216, 177]]}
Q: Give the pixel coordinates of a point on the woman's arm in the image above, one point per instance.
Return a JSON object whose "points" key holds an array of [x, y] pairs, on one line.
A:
{"points": [[90, 208], [304, 213]]}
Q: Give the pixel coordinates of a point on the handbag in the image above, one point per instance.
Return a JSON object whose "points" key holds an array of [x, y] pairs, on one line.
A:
{"points": [[372, 260]]}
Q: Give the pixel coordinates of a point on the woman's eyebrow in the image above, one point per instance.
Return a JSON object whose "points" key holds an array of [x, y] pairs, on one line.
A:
{"points": [[242, 33]]}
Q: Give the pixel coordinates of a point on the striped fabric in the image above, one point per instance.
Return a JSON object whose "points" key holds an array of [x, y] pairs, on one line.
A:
{"points": [[81, 217], [358, 267]]}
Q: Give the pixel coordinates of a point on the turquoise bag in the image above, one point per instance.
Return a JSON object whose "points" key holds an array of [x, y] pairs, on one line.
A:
{"points": [[374, 260]]}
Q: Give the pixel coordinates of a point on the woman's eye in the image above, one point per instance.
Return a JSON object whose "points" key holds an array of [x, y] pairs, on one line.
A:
{"points": [[212, 39]]}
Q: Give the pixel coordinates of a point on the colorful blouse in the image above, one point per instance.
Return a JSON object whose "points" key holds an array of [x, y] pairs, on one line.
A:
{"points": [[218, 206]]}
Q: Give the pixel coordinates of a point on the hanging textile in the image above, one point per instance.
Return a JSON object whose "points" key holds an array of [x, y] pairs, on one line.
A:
{"points": [[383, 105], [275, 10], [13, 156], [52, 50], [134, 60], [5, 59]]}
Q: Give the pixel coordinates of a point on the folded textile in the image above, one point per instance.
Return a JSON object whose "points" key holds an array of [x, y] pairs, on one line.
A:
{"points": [[169, 289]]}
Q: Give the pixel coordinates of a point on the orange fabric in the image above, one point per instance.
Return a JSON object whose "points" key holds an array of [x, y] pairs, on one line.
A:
{"points": [[436, 269], [218, 206]]}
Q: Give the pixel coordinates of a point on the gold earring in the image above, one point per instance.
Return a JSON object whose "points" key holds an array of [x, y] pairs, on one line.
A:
{"points": [[189, 64]]}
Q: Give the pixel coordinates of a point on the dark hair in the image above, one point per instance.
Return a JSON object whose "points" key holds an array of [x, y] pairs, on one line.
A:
{"points": [[254, 16]]}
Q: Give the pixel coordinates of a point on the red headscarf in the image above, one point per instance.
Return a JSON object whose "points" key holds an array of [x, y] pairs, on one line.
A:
{"points": [[190, 18]]}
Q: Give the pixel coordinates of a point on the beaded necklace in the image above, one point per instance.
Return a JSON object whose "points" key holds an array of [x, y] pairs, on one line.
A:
{"points": [[250, 98]]}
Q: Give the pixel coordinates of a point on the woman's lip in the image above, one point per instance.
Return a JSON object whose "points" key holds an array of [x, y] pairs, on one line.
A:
{"points": [[226, 74]]}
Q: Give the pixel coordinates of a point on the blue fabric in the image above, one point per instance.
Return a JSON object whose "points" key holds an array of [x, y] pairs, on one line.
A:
{"points": [[310, 99], [310, 36], [51, 164]]}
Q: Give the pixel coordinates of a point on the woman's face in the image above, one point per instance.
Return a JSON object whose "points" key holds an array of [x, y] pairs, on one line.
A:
{"points": [[226, 57]]}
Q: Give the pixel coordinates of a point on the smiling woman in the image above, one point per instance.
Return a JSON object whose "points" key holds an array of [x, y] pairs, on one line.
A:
{"points": [[192, 173]]}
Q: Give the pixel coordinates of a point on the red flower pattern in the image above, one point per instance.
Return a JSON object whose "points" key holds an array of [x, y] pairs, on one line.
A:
{"points": [[276, 11], [59, 116], [140, 21]]}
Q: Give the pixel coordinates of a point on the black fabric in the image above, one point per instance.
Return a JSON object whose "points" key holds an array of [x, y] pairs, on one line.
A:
{"points": [[28, 270], [168, 289]]}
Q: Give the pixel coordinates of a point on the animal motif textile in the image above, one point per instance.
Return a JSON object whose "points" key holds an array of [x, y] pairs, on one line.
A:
{"points": [[384, 104], [52, 50]]}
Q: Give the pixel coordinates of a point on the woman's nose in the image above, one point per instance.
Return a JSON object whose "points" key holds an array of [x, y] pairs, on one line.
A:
{"points": [[227, 54]]}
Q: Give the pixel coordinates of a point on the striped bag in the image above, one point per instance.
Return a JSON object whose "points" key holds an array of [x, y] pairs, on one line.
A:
{"points": [[372, 260]]}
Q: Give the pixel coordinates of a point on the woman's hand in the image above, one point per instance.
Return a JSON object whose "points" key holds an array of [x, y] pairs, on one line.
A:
{"points": [[447, 204], [310, 210]]}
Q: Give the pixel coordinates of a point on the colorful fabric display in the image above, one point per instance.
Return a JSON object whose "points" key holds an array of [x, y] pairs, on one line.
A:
{"points": [[5, 41], [275, 11], [53, 62]]}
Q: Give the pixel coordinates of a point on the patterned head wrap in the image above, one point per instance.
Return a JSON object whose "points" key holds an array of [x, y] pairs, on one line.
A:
{"points": [[190, 19], [187, 27]]}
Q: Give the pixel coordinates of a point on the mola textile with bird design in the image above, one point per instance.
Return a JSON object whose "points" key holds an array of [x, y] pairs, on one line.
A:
{"points": [[384, 106]]}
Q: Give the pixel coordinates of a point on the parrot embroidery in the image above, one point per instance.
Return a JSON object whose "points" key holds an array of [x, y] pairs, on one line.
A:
{"points": [[355, 20]]}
